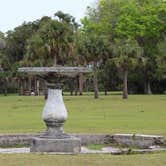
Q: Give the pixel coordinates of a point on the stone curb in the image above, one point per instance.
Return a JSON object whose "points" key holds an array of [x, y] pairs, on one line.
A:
{"points": [[85, 150], [135, 140], [7, 140]]}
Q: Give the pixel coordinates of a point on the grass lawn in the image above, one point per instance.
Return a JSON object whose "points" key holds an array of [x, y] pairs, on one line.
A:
{"points": [[83, 160], [109, 114]]}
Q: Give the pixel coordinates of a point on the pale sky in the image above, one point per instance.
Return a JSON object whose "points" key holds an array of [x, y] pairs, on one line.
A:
{"points": [[14, 12]]}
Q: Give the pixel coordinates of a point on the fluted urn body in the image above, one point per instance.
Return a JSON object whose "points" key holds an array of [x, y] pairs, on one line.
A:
{"points": [[54, 112]]}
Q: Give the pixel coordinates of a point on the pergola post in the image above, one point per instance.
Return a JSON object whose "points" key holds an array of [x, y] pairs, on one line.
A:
{"points": [[81, 83]]}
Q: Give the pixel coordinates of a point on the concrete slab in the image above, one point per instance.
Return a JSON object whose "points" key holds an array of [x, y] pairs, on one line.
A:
{"points": [[85, 150]]}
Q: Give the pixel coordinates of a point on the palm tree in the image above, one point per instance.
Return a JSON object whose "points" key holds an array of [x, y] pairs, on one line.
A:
{"points": [[2, 41], [92, 49], [126, 53], [53, 41]]}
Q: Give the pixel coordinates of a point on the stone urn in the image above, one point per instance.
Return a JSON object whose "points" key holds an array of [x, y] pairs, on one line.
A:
{"points": [[54, 113]]}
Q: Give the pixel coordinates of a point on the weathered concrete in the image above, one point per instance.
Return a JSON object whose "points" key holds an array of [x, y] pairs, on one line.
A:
{"points": [[138, 140], [15, 139], [85, 150], [54, 109], [67, 145], [87, 139], [26, 139], [141, 141], [44, 72], [14, 150], [54, 115]]}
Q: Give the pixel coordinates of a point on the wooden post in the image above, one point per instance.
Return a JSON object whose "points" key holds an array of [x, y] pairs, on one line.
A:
{"points": [[21, 87], [35, 85], [38, 87], [71, 87], [81, 83], [29, 85], [76, 86]]}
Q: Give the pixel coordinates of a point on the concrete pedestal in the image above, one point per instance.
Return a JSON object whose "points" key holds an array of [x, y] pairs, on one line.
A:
{"points": [[54, 115], [65, 145]]}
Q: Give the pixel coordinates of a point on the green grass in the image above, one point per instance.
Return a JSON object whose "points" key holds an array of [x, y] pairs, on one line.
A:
{"points": [[95, 146], [82, 160], [109, 114]]}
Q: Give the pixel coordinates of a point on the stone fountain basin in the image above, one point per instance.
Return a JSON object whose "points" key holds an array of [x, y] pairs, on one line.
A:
{"points": [[12, 141]]}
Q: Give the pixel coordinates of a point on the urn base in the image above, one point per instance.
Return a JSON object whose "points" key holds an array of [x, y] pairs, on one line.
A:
{"points": [[56, 144]]}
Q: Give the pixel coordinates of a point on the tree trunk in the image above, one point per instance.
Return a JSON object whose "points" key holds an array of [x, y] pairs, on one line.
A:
{"points": [[81, 84], [5, 88], [149, 88], [105, 92], [145, 87], [95, 82], [71, 92], [55, 60], [87, 85], [38, 87], [125, 91]]}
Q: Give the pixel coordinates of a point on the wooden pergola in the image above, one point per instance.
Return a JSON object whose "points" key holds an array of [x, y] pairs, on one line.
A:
{"points": [[34, 82]]}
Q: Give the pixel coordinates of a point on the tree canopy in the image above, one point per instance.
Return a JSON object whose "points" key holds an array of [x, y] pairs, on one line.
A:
{"points": [[122, 40]]}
